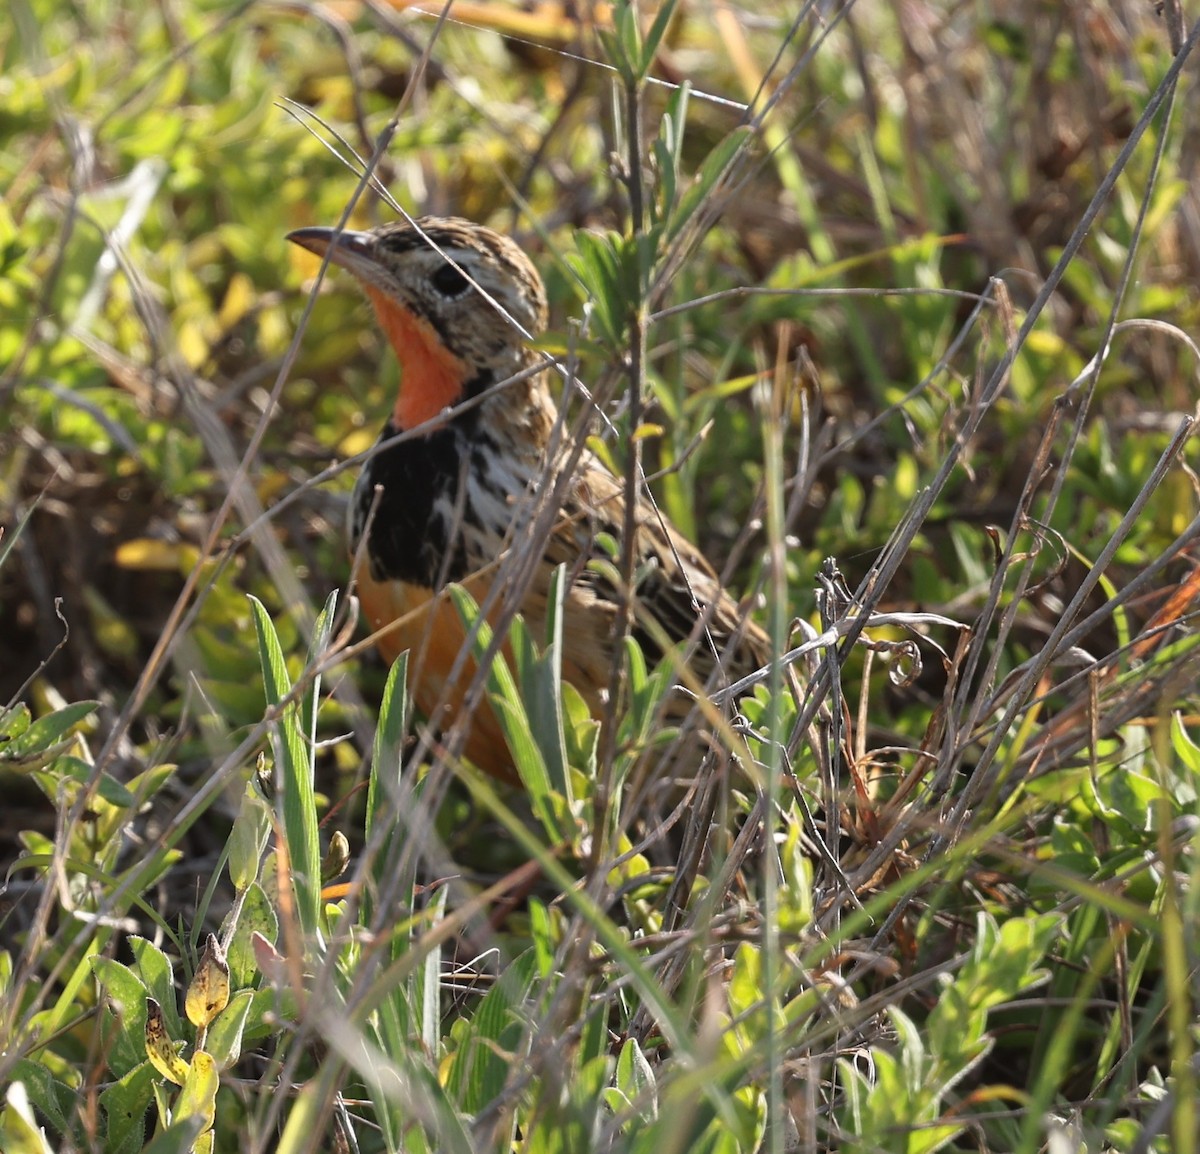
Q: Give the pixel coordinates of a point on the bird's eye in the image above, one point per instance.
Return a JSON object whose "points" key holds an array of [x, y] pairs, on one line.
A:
{"points": [[449, 281]]}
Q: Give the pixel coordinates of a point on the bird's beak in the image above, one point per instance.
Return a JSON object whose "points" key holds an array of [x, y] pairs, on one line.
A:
{"points": [[353, 251]]}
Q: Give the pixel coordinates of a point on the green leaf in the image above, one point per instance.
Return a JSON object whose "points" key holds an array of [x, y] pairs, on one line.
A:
{"points": [[14, 722], [541, 931], [19, 1131], [484, 1057], [294, 760], [576, 1121], [654, 37], [125, 1103], [255, 915], [143, 786], [248, 838], [629, 37], [642, 723], [637, 673], [387, 757], [54, 1099], [430, 978], [581, 732], [541, 688], [634, 1078], [158, 976], [527, 757], [715, 165], [622, 42], [178, 1138], [668, 152], [127, 1026], [593, 1041], [510, 712], [384, 797], [746, 1000], [1185, 748], [224, 1040], [274, 668], [44, 735], [605, 268], [322, 631], [66, 767]]}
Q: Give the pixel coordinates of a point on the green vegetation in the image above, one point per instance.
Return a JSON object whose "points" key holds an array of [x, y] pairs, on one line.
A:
{"points": [[912, 287]]}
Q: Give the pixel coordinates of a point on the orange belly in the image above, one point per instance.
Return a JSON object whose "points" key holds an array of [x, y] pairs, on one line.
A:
{"points": [[410, 617]]}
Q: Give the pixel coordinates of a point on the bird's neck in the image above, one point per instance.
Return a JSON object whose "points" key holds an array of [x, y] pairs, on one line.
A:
{"points": [[431, 375], [440, 501], [508, 401], [518, 410]]}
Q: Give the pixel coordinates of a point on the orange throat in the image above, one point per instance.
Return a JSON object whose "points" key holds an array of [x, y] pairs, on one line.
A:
{"points": [[432, 377]]}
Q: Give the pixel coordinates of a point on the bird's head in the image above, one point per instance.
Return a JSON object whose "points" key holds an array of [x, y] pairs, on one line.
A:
{"points": [[457, 302]]}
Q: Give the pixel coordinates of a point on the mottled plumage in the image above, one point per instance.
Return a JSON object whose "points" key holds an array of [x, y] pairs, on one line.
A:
{"points": [[444, 500]]}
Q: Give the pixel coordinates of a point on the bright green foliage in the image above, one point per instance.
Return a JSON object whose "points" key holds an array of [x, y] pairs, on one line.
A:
{"points": [[293, 739], [901, 1104]]}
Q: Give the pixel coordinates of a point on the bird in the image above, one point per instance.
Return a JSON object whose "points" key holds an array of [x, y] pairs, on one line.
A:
{"points": [[473, 438]]}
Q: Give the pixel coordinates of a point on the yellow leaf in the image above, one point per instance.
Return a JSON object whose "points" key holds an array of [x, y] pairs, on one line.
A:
{"points": [[357, 442], [198, 1098], [1044, 343], [151, 555], [239, 297], [208, 992], [337, 859], [192, 344], [159, 1047], [270, 485], [601, 449], [647, 430], [274, 333]]}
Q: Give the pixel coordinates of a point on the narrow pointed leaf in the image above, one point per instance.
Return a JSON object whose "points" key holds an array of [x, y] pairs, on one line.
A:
{"points": [[294, 760]]}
